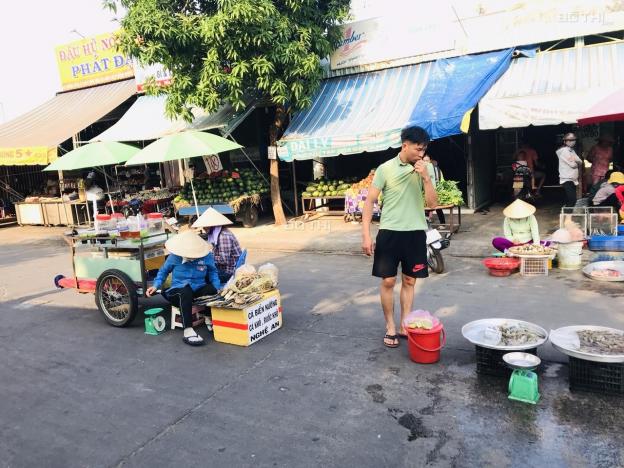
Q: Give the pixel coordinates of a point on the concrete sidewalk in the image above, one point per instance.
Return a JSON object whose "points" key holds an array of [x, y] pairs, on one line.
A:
{"points": [[332, 234]]}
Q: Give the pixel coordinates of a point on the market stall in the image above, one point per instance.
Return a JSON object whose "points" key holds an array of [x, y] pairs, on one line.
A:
{"points": [[52, 211], [244, 191], [149, 201], [325, 196], [248, 308]]}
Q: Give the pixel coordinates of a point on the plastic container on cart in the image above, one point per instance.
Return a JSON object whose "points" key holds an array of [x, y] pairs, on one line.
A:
{"points": [[155, 223], [104, 222], [121, 224], [134, 227]]}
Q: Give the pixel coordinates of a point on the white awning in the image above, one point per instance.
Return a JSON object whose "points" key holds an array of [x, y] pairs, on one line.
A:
{"points": [[33, 137], [553, 87], [146, 120]]}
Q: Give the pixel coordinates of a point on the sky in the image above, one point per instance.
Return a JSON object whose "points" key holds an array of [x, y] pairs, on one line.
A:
{"points": [[29, 74]]}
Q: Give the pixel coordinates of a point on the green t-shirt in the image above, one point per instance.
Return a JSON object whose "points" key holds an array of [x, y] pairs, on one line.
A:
{"points": [[402, 189]]}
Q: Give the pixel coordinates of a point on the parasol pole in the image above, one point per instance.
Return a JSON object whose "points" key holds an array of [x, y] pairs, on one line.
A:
{"points": [[189, 174]]}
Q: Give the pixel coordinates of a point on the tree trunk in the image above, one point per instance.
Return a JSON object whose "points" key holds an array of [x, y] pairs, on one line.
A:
{"points": [[275, 132]]}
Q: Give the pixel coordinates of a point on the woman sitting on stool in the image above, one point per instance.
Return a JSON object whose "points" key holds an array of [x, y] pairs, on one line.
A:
{"points": [[193, 274], [520, 226], [226, 250]]}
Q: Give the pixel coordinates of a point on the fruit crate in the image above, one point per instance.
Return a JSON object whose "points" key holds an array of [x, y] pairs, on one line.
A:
{"points": [[534, 266], [490, 361], [597, 377]]}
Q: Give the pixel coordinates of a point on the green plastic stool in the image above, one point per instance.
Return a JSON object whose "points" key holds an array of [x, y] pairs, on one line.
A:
{"points": [[523, 386], [154, 324]]}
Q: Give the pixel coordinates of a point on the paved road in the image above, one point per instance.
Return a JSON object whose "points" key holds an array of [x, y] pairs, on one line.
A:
{"points": [[322, 391]]}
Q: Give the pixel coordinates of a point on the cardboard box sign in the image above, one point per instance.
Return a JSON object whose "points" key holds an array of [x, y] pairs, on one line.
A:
{"points": [[244, 327]]}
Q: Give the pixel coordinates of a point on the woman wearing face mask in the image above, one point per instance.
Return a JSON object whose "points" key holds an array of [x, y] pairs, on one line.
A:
{"points": [[569, 164]]}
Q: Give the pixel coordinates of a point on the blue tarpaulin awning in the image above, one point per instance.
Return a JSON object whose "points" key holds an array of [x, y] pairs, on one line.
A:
{"points": [[366, 112]]}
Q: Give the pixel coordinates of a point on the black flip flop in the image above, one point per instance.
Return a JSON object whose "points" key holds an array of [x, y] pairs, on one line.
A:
{"points": [[391, 337], [188, 340], [401, 335]]}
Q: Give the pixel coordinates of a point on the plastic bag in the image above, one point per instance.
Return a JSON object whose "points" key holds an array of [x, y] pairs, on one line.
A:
{"points": [[420, 319], [244, 270], [567, 339], [492, 335], [269, 270]]}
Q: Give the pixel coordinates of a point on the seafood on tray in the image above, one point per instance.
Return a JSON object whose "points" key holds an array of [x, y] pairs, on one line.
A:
{"points": [[531, 249], [515, 335], [606, 273], [601, 342]]}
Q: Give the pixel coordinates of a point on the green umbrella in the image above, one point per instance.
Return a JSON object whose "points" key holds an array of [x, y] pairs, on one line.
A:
{"points": [[102, 153], [92, 155], [181, 146]]}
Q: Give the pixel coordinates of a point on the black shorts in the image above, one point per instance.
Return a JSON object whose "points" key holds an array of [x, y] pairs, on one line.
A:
{"points": [[406, 247]]}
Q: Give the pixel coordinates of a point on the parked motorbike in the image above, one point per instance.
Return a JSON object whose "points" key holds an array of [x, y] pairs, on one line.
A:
{"points": [[435, 244], [133, 208]]}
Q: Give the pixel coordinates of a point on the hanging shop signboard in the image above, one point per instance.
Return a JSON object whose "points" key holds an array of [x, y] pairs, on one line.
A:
{"points": [[27, 156], [470, 27], [92, 61], [142, 73]]}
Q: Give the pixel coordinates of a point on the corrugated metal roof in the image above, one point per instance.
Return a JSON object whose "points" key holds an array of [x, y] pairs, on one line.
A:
{"points": [[553, 87], [64, 115]]}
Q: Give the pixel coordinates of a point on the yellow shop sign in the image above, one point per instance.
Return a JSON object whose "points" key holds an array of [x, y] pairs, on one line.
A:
{"points": [[27, 156], [92, 61]]}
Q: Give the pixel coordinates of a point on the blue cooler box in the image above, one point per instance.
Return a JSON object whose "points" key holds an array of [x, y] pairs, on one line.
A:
{"points": [[607, 243]]}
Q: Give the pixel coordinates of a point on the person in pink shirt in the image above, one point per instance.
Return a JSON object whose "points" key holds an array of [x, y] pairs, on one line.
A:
{"points": [[601, 155]]}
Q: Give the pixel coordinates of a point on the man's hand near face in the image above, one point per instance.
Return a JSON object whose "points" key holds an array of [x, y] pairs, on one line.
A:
{"points": [[421, 168]]}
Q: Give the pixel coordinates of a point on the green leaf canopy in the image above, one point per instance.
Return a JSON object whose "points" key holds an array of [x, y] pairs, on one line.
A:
{"points": [[224, 50]]}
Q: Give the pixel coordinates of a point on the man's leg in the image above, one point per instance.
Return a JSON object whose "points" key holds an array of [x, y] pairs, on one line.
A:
{"points": [[386, 291], [407, 298], [570, 193]]}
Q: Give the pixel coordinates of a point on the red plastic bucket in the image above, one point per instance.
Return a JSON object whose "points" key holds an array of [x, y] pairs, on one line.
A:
{"points": [[424, 345]]}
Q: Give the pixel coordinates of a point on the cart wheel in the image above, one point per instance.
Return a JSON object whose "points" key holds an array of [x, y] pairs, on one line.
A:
{"points": [[250, 216], [116, 297]]}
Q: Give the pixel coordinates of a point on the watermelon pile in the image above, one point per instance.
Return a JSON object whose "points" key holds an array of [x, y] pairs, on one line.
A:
{"points": [[328, 187], [224, 187]]}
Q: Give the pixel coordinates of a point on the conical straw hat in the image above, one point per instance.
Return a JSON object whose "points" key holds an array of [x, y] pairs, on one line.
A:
{"points": [[210, 218], [188, 244], [519, 209]]}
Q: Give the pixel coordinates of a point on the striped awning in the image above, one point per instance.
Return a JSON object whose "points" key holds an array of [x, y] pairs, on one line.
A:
{"points": [[33, 137], [553, 87], [366, 112], [146, 120]]}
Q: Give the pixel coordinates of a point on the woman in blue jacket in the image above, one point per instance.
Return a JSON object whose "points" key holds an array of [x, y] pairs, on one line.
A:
{"points": [[194, 274]]}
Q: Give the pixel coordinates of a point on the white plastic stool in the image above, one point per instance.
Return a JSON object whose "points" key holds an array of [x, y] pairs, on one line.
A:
{"points": [[197, 319], [175, 313]]}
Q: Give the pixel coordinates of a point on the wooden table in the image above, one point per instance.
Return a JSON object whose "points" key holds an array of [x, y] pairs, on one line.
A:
{"points": [[312, 209], [450, 226]]}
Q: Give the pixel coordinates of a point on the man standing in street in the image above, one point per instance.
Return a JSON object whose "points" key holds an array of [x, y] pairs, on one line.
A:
{"points": [[402, 237], [569, 165]]}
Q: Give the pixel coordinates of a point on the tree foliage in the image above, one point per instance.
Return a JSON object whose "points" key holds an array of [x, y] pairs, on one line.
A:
{"points": [[229, 50]]}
